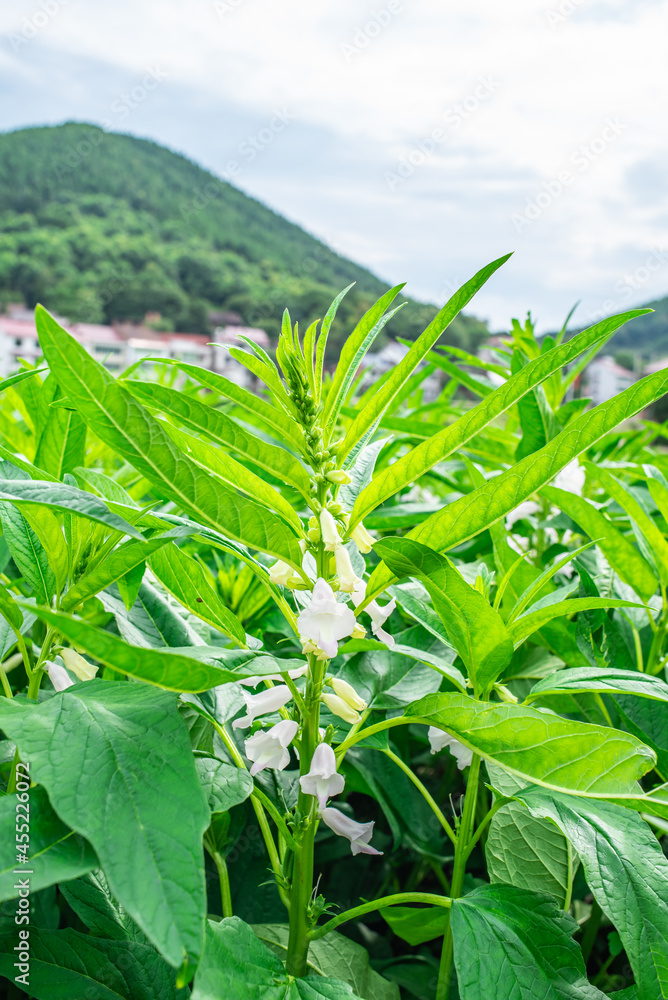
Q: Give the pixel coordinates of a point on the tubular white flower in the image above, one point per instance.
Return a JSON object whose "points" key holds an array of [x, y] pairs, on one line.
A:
{"points": [[329, 531], [362, 539], [438, 740], [359, 593], [269, 700], [58, 676], [341, 708], [378, 618], [322, 780], [269, 747], [359, 834], [348, 578], [324, 621], [348, 693], [571, 478], [75, 663]]}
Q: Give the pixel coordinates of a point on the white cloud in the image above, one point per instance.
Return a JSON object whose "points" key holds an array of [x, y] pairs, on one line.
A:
{"points": [[368, 83]]}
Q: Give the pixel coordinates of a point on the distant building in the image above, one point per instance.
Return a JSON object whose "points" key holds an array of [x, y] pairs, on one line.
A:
{"points": [[656, 366], [604, 378], [121, 345]]}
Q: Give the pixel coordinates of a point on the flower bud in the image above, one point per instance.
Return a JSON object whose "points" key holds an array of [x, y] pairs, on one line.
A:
{"points": [[339, 477], [348, 579], [58, 676], [338, 706], [359, 631], [76, 664], [362, 539], [346, 691], [330, 531]]}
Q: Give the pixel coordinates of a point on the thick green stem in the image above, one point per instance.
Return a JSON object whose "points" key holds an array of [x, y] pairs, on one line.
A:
{"points": [[462, 851], [302, 876], [379, 904]]}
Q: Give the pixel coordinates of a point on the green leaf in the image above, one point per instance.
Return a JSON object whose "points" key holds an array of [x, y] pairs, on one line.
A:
{"points": [[62, 444], [9, 609], [531, 621], [93, 901], [470, 514], [120, 561], [648, 721], [121, 422], [183, 577], [618, 491], [28, 553], [151, 621], [170, 668], [509, 942], [529, 853], [626, 871], [546, 749], [416, 925], [353, 351], [607, 681], [321, 345], [233, 473], [386, 393], [475, 630], [133, 764], [217, 426], [337, 956], [624, 557], [66, 964], [64, 498], [410, 467], [55, 852], [20, 377], [224, 786], [46, 525], [236, 965]]}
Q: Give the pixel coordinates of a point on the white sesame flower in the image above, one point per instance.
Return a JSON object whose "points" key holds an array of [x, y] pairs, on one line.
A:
{"points": [[349, 581], [525, 509], [322, 780], [269, 700], [341, 708], [269, 747], [58, 676], [571, 478], [329, 531], [378, 618], [76, 664], [359, 834], [324, 621], [438, 740], [361, 537]]}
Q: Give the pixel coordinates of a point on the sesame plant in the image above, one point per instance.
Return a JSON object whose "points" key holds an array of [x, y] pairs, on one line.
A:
{"points": [[336, 689]]}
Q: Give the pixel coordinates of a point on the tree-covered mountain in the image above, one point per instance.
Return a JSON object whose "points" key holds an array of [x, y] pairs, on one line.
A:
{"points": [[101, 226], [647, 336]]}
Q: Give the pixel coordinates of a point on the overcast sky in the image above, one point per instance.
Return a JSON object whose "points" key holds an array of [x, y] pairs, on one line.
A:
{"points": [[422, 138]]}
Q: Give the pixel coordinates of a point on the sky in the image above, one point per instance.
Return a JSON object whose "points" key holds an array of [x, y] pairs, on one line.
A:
{"points": [[420, 138]]}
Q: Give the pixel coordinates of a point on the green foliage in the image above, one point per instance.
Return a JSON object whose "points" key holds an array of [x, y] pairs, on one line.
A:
{"points": [[207, 815]]}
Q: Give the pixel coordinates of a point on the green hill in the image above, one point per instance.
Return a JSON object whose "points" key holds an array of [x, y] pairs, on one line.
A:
{"points": [[101, 226], [646, 336]]}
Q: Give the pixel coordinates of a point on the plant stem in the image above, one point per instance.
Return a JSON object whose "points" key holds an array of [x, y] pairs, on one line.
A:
{"points": [[428, 798], [225, 894], [302, 877], [461, 854], [379, 904], [5, 684]]}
